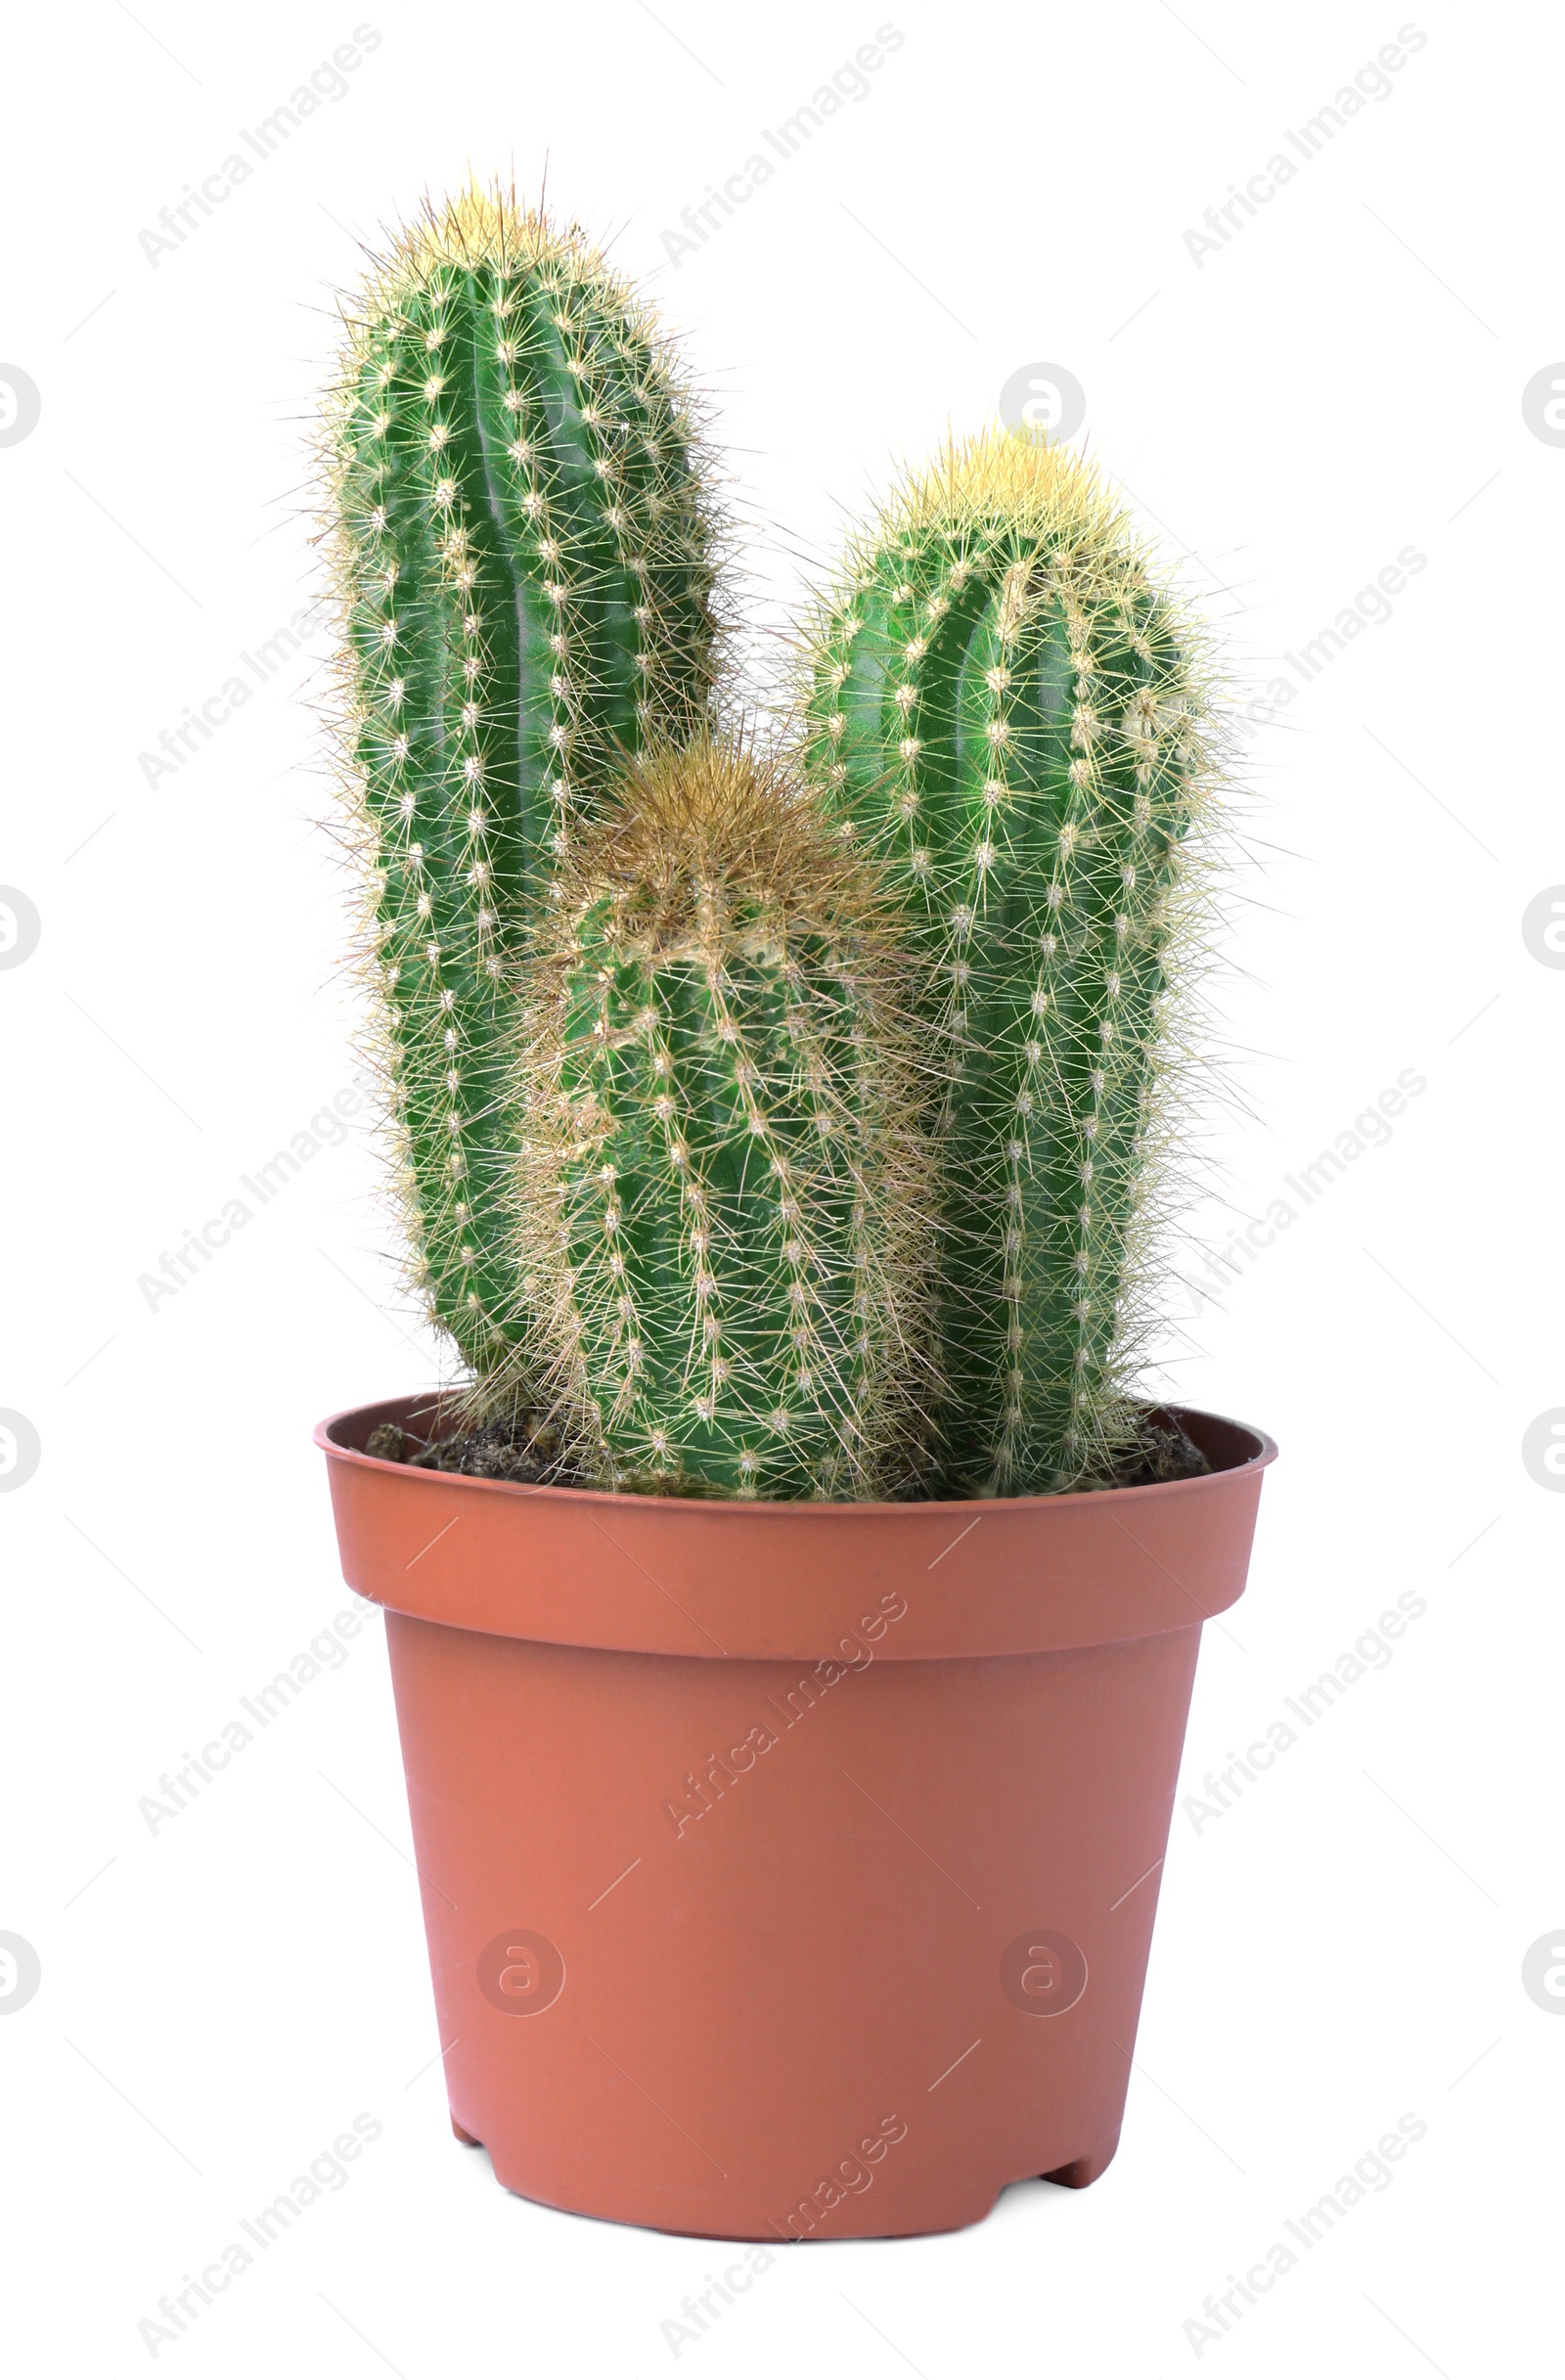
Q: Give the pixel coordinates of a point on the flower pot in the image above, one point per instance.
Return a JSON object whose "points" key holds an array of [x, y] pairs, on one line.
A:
{"points": [[788, 1870]]}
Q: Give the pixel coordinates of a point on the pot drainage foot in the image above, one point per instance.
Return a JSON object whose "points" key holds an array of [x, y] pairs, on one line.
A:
{"points": [[1082, 2170], [467, 2139]]}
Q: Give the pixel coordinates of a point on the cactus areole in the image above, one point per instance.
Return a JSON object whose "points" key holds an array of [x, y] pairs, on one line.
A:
{"points": [[791, 1605]]}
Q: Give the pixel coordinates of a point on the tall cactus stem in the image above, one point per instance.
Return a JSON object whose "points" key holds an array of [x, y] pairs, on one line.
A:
{"points": [[1013, 716], [523, 554]]}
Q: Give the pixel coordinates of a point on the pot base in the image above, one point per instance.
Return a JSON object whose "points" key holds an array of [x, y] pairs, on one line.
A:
{"points": [[950, 2209], [1083, 2172], [1077, 2175]]}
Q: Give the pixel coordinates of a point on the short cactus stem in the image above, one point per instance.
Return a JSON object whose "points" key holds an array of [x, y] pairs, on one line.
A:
{"points": [[724, 1191], [522, 556], [1010, 714]]}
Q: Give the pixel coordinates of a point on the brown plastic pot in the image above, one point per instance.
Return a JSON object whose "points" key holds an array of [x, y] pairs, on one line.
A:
{"points": [[788, 1869]]}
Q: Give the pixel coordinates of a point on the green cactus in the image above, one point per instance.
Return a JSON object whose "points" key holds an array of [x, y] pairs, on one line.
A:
{"points": [[1011, 715], [725, 1191], [523, 553]]}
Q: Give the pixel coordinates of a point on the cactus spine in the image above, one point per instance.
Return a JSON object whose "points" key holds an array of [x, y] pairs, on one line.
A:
{"points": [[724, 1193], [1013, 717], [522, 551]]}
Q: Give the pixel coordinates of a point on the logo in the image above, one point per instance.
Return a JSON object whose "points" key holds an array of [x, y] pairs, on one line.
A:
{"points": [[1043, 1973], [1543, 925], [20, 1973], [520, 1973], [20, 1449], [1543, 1973], [21, 926], [1042, 398], [20, 404], [1542, 1448], [1543, 404]]}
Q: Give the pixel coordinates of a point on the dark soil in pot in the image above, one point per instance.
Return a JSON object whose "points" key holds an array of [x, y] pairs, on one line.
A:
{"points": [[527, 1448]]}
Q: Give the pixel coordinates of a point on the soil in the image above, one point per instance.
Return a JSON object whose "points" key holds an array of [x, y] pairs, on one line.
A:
{"points": [[527, 1448], [1162, 1451]]}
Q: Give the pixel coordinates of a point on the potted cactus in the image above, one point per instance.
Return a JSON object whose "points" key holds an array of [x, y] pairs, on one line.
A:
{"points": [[792, 1610]]}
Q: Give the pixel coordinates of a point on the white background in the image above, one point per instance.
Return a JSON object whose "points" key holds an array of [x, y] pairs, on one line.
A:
{"points": [[1340, 380]]}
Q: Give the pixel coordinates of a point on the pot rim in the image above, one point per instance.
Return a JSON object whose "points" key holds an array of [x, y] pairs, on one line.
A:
{"points": [[740, 1579], [1263, 1452]]}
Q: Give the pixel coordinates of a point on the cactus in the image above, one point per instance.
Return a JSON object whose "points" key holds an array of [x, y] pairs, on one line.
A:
{"points": [[523, 555], [724, 1193], [1011, 716], [662, 1125]]}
